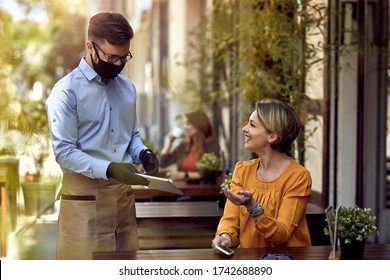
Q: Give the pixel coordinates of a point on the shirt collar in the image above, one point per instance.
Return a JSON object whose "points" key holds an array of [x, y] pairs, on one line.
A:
{"points": [[87, 70]]}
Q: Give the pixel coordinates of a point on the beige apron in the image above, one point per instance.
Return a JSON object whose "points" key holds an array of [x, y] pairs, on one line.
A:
{"points": [[95, 215]]}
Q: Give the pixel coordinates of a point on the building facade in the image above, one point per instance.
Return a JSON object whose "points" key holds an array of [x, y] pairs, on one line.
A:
{"points": [[347, 153]]}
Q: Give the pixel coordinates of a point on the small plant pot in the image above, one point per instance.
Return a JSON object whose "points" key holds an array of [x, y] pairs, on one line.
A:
{"points": [[210, 177], [353, 250], [38, 197]]}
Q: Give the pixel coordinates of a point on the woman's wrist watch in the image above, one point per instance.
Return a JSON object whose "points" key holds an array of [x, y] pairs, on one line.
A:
{"points": [[257, 211]]}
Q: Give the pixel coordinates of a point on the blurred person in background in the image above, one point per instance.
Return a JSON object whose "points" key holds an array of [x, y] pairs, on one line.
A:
{"points": [[268, 195], [198, 140], [92, 120]]}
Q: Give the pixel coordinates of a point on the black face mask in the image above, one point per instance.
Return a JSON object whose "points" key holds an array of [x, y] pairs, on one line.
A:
{"points": [[106, 70]]}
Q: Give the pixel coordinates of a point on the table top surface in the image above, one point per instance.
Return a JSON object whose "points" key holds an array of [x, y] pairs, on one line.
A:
{"points": [[372, 252], [201, 189], [178, 209], [192, 209]]}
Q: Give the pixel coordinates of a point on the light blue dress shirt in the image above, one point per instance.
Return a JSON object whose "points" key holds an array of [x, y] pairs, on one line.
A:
{"points": [[92, 123]]}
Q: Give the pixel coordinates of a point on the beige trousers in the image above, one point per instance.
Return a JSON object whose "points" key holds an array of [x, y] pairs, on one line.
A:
{"points": [[95, 215]]}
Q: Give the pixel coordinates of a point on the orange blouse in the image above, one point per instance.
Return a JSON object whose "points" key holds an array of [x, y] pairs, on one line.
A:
{"points": [[189, 162], [284, 200]]}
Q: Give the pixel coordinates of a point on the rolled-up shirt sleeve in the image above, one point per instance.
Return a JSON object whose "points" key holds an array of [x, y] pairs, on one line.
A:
{"points": [[62, 117]]}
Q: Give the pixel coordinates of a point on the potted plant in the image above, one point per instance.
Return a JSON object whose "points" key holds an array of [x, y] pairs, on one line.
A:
{"points": [[38, 184], [227, 180], [353, 226], [209, 164]]}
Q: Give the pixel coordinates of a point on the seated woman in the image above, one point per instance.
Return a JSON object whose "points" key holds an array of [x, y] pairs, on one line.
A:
{"points": [[267, 199], [198, 140]]}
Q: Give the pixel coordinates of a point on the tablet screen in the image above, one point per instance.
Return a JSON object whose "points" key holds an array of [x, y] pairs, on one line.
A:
{"points": [[162, 184]]}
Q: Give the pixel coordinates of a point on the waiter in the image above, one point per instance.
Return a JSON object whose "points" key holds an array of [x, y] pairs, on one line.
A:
{"points": [[92, 120]]}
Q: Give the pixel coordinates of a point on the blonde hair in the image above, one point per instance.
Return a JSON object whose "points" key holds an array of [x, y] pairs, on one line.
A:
{"points": [[278, 117]]}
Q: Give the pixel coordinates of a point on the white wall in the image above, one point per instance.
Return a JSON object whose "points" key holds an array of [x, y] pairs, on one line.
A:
{"points": [[347, 129], [314, 87]]}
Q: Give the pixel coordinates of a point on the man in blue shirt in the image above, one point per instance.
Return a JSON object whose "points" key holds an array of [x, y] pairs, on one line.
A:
{"points": [[92, 120]]}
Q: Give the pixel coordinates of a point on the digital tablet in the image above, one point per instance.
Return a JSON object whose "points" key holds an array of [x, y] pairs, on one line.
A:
{"points": [[162, 184]]}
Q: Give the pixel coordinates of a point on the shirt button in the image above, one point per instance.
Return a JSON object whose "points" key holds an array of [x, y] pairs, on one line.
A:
{"points": [[112, 130], [114, 150]]}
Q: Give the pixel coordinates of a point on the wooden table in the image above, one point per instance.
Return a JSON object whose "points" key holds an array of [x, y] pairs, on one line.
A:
{"points": [[170, 225], [372, 252], [12, 186], [177, 224], [205, 191], [178, 210], [3, 196]]}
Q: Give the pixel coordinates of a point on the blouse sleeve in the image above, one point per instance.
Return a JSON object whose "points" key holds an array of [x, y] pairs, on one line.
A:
{"points": [[174, 156], [230, 221], [292, 210]]}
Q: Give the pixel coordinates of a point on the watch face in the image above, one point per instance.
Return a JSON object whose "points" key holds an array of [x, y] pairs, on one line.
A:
{"points": [[257, 211]]}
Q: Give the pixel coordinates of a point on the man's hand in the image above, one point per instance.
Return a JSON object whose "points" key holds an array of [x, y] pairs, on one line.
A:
{"points": [[125, 173], [149, 161]]}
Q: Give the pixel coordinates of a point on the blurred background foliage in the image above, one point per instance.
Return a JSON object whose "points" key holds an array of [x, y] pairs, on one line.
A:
{"points": [[257, 49], [247, 50], [242, 50], [36, 50]]}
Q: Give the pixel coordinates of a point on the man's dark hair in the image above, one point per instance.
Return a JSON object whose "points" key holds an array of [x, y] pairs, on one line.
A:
{"points": [[110, 26]]}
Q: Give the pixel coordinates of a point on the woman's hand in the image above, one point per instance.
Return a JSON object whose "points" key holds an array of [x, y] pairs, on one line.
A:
{"points": [[243, 198], [168, 146], [171, 137], [224, 240]]}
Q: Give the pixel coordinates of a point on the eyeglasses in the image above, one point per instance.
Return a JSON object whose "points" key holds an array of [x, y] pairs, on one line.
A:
{"points": [[111, 58], [275, 257]]}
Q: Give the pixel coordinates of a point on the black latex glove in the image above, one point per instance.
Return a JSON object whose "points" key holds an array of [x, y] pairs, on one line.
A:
{"points": [[149, 161], [125, 173]]}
